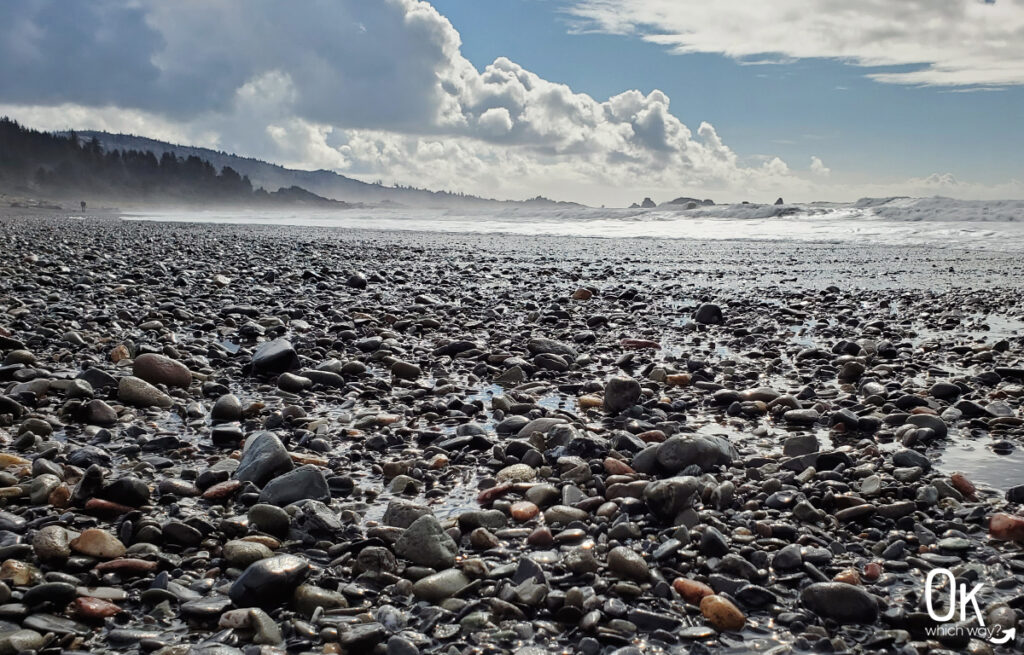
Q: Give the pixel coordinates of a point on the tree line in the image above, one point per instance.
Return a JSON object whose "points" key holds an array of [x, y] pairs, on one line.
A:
{"points": [[65, 165]]}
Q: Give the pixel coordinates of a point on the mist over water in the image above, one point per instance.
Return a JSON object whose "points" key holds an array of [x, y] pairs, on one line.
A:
{"points": [[936, 222]]}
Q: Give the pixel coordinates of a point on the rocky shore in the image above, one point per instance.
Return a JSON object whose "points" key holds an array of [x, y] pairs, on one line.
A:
{"points": [[231, 439]]}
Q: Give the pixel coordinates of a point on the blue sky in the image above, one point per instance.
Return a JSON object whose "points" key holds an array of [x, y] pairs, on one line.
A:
{"points": [[595, 101], [862, 129]]}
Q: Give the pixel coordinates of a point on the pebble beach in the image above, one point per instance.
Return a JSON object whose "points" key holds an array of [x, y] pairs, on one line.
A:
{"points": [[237, 439]]}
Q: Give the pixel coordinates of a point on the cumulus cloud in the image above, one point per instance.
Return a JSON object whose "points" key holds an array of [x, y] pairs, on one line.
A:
{"points": [[818, 167], [372, 89], [944, 42], [375, 90]]}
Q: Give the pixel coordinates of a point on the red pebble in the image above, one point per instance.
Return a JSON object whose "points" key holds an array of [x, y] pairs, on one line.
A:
{"points": [[222, 490], [497, 491], [964, 486], [1006, 527], [126, 565], [540, 537], [94, 608]]}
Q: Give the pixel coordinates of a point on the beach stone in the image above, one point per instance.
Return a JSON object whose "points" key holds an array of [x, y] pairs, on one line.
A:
{"points": [[263, 457], [402, 513], [52, 542], [439, 586], [540, 346], [627, 563], [267, 582], [309, 597], [56, 593], [11, 406], [406, 371], [227, 409], [1006, 527], [98, 412], [98, 543], [841, 602], [127, 490], [57, 624], [911, 458], [936, 424], [305, 482], [669, 497], [426, 543], [564, 514], [135, 391], [621, 393], [708, 452], [542, 425], [945, 390], [159, 369], [274, 357], [243, 553], [708, 313], [15, 642], [721, 613], [269, 518]]}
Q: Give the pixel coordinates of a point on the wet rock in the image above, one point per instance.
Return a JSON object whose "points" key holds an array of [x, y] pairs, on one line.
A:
{"points": [[426, 543], [305, 482], [706, 452], [708, 313], [52, 542], [438, 586], [266, 582], [668, 498], [263, 457], [840, 602], [134, 391], [722, 614], [621, 393], [98, 543], [227, 409], [626, 563], [158, 369], [274, 357]]}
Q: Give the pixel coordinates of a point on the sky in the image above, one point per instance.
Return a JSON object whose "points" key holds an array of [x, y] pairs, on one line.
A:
{"points": [[594, 101]]}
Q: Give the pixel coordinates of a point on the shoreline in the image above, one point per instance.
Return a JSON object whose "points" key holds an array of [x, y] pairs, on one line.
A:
{"points": [[485, 432]]}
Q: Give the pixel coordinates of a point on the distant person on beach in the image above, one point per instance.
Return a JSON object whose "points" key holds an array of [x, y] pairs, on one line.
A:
{"points": [[83, 206]]}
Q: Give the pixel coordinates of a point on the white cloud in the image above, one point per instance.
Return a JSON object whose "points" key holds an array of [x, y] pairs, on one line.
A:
{"points": [[375, 90], [818, 167], [946, 42]]}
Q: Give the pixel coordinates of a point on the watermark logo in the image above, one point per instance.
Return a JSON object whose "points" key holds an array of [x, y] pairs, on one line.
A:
{"points": [[964, 600]]}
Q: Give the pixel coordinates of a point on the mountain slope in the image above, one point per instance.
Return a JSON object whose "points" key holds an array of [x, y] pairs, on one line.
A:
{"points": [[322, 182]]}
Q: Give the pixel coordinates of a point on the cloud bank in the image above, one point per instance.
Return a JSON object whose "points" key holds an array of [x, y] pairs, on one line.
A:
{"points": [[951, 43], [375, 90]]}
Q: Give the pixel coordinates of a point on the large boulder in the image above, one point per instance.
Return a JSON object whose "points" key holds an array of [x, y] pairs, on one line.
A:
{"points": [[304, 483], [621, 393], [274, 357], [708, 452], [136, 391], [158, 369], [426, 543], [263, 458]]}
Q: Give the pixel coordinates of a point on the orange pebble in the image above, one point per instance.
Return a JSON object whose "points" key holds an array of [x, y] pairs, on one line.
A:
{"points": [[691, 590], [617, 467], [524, 510]]}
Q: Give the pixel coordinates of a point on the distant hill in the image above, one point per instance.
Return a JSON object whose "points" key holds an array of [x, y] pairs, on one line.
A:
{"points": [[322, 182], [69, 167]]}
